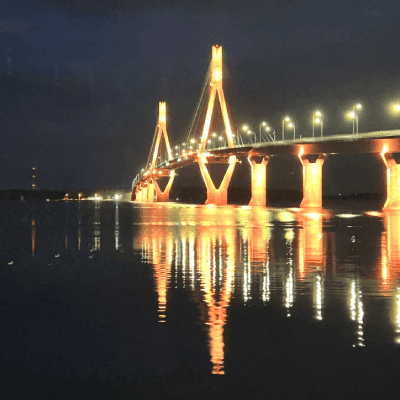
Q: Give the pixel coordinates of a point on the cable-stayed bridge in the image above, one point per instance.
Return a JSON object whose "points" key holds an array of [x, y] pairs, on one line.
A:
{"points": [[228, 147]]}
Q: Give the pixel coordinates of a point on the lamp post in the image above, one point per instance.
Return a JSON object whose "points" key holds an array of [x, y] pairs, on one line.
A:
{"points": [[321, 122], [266, 128], [213, 135], [354, 115], [286, 119], [263, 124], [249, 132], [317, 118], [292, 125], [243, 128]]}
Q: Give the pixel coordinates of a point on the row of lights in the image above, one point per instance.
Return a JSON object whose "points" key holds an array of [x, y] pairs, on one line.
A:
{"points": [[317, 119]]}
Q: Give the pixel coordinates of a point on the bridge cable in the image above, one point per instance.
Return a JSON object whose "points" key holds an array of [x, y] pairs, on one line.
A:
{"points": [[199, 103]]}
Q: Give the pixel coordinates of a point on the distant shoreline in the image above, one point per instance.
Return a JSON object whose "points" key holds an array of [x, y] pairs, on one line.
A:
{"points": [[196, 195]]}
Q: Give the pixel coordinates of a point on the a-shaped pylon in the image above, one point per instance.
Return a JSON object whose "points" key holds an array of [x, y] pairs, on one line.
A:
{"points": [[216, 88], [220, 195], [154, 192], [161, 131]]}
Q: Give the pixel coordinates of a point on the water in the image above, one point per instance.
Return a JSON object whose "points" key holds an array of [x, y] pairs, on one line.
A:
{"points": [[255, 294]]}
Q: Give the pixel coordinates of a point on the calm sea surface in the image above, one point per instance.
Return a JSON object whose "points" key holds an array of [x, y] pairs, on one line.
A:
{"points": [[151, 292]]}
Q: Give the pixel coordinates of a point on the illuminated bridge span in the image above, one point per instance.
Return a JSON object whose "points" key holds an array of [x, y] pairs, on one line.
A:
{"points": [[312, 153]]}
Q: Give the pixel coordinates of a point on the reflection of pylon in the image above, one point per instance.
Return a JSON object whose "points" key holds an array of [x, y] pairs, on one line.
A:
{"points": [[216, 196], [208, 238]]}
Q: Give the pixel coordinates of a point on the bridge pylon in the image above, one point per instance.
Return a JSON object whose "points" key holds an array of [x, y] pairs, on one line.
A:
{"points": [[214, 195], [153, 191]]}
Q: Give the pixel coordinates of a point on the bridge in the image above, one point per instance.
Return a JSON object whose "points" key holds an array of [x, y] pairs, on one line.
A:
{"points": [[229, 148]]}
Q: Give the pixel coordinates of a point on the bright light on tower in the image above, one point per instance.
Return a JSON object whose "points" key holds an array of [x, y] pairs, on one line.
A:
{"points": [[162, 111]]}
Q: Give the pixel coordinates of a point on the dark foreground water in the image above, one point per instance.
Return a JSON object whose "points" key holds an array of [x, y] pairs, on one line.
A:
{"points": [[104, 300]]}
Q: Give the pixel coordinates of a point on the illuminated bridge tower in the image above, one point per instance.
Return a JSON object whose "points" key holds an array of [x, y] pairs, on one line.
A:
{"points": [[216, 195], [150, 190]]}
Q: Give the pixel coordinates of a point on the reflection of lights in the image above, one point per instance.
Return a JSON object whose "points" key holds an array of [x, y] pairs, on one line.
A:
{"points": [[397, 315], [116, 228], [266, 294], [314, 216], [357, 311], [289, 234], [192, 261], [353, 298], [285, 216], [349, 215], [318, 297], [289, 289], [183, 260]]}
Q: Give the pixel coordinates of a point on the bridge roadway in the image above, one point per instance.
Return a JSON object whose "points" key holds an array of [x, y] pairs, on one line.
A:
{"points": [[312, 153], [369, 142]]}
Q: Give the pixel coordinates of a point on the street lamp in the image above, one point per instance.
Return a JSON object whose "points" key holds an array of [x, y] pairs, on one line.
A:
{"points": [[354, 116], [292, 125], [321, 122], [286, 119], [317, 118], [220, 141], [244, 128], [251, 133], [267, 128], [263, 124]]}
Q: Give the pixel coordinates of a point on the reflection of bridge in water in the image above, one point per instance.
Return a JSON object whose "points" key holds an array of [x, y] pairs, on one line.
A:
{"points": [[221, 253], [200, 148]]}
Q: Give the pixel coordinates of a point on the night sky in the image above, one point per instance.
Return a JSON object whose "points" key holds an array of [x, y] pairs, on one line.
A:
{"points": [[81, 80]]}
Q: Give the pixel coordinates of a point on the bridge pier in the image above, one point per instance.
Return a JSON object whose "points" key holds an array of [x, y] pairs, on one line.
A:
{"points": [[144, 194], [138, 194], [163, 196], [392, 162], [312, 179], [150, 191], [258, 180], [216, 196]]}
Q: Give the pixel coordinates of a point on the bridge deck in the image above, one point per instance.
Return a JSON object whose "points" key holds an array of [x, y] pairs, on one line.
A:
{"points": [[368, 142]]}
